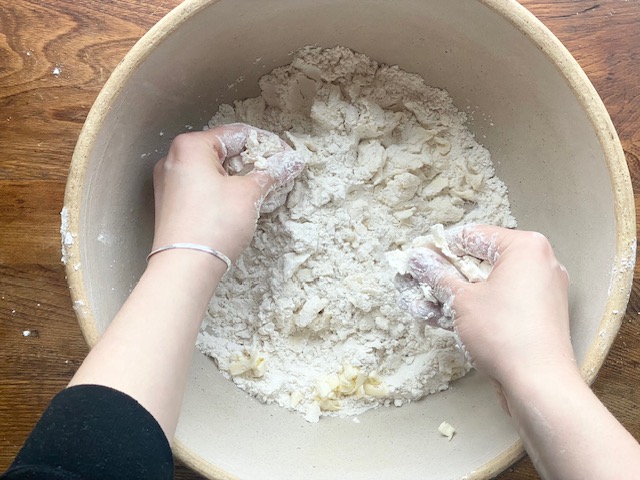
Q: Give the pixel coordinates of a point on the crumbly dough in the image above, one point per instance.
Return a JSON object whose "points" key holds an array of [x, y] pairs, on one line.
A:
{"points": [[308, 317]]}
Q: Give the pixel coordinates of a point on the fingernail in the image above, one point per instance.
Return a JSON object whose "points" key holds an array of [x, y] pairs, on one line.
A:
{"points": [[221, 149]]}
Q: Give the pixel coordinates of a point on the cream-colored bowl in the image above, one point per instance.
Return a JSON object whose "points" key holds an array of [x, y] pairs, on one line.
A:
{"points": [[552, 142]]}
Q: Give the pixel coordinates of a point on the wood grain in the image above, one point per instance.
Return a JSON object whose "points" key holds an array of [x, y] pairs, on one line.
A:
{"points": [[41, 115]]}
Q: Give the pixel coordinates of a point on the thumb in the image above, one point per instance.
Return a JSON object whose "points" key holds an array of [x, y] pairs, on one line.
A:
{"points": [[276, 171], [432, 269]]}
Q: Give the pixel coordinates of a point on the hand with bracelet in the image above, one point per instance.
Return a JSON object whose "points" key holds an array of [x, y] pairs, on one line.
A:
{"points": [[147, 349], [197, 202], [133, 380]]}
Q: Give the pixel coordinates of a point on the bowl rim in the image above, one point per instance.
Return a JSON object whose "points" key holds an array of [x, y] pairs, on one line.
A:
{"points": [[540, 36]]}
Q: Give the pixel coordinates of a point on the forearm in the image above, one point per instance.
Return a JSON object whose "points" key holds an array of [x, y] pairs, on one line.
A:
{"points": [[147, 349], [567, 431]]}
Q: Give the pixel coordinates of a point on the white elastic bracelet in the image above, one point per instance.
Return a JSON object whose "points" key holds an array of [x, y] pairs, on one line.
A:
{"points": [[193, 246]]}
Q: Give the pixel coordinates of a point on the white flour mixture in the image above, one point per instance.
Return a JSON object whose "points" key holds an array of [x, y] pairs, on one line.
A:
{"points": [[308, 317]]}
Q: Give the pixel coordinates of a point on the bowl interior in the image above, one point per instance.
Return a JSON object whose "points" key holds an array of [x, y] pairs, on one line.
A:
{"points": [[543, 143]]}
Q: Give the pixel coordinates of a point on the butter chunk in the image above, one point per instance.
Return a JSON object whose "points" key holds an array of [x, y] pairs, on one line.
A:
{"points": [[252, 362], [447, 430]]}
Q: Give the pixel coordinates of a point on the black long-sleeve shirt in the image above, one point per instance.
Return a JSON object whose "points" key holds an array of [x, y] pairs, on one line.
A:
{"points": [[91, 432]]}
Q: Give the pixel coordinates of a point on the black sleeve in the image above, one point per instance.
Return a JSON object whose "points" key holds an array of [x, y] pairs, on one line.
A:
{"points": [[91, 432]]}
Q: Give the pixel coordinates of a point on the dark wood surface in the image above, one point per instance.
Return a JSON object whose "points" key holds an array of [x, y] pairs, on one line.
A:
{"points": [[41, 115]]}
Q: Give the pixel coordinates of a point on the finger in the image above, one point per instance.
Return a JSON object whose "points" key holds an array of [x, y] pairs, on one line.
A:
{"points": [[233, 137], [413, 300], [432, 269], [485, 242], [195, 148], [277, 170], [405, 283], [227, 140], [421, 309]]}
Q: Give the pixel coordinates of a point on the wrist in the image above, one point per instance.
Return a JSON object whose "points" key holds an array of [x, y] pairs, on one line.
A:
{"points": [[193, 247], [539, 359], [225, 243], [191, 268], [542, 380]]}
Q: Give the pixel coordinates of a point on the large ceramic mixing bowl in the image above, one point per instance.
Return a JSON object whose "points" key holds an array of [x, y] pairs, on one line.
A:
{"points": [[552, 143]]}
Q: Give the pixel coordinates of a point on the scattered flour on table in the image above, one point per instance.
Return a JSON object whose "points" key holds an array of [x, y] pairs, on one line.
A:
{"points": [[308, 317], [66, 237]]}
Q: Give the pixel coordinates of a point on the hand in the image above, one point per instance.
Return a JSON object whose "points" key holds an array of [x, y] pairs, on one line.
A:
{"points": [[233, 137], [516, 322], [197, 202], [515, 326]]}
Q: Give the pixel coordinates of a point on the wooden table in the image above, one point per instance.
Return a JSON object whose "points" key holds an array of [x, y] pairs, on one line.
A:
{"points": [[55, 55]]}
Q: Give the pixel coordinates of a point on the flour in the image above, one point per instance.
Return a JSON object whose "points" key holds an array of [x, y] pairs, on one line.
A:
{"points": [[66, 237], [308, 317]]}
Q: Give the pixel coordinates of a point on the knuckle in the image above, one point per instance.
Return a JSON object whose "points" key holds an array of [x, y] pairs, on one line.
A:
{"points": [[539, 246], [182, 142], [537, 242]]}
